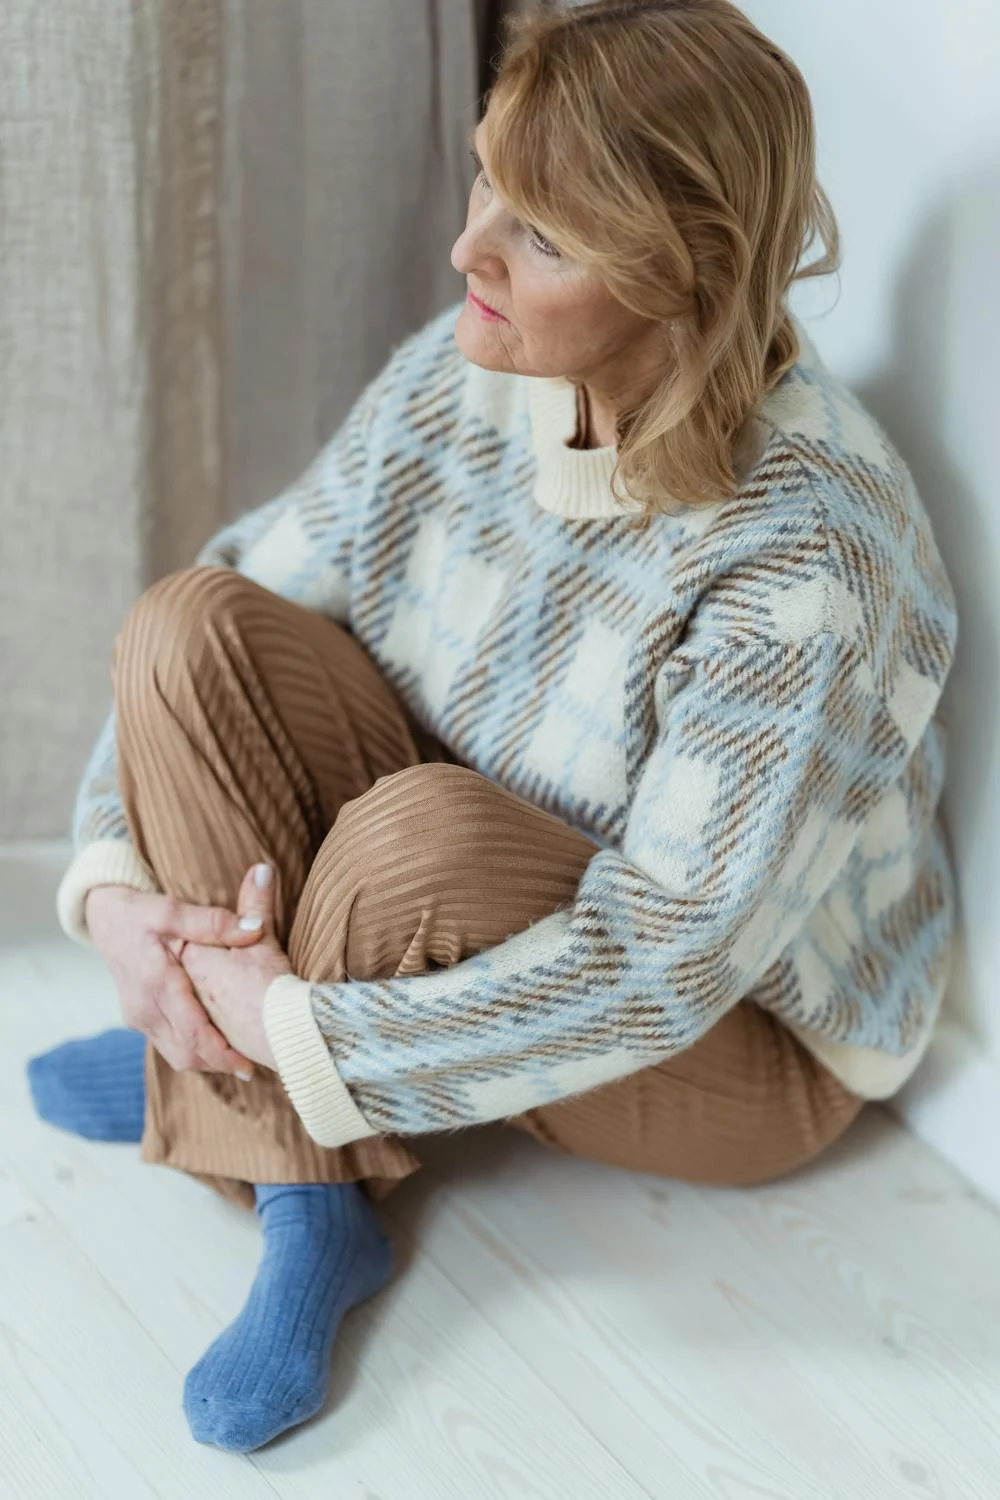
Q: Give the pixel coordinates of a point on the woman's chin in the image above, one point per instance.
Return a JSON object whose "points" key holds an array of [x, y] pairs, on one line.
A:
{"points": [[478, 341]]}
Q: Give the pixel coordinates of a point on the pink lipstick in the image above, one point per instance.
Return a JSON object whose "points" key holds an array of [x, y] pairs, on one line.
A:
{"points": [[485, 312]]}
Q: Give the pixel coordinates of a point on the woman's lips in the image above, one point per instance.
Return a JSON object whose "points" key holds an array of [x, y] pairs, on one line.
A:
{"points": [[485, 312]]}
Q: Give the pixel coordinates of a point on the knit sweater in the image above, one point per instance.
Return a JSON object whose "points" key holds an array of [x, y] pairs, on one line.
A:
{"points": [[740, 706]]}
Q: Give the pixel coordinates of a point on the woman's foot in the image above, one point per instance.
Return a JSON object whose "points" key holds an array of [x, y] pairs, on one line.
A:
{"points": [[94, 1087], [324, 1252]]}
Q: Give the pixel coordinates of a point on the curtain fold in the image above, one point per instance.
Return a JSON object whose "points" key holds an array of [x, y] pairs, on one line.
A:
{"points": [[219, 217]]}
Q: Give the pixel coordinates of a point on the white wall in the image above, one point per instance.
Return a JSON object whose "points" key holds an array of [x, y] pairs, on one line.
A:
{"points": [[907, 97]]}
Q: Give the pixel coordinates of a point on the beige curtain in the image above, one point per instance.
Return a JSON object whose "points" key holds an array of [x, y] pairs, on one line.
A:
{"points": [[218, 217]]}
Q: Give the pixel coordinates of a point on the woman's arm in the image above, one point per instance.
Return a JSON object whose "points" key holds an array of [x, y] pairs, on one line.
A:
{"points": [[768, 758]]}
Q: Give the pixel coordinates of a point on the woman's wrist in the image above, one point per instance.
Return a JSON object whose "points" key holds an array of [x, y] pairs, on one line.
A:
{"points": [[106, 862], [306, 1067]]}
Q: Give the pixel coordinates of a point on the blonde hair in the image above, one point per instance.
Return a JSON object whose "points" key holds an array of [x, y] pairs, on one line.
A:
{"points": [[671, 146]]}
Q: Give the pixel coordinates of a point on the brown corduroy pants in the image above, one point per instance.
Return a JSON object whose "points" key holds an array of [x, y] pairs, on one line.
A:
{"points": [[252, 729]]}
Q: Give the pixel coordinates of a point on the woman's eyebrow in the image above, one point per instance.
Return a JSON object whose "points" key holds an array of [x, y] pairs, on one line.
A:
{"points": [[479, 161]]}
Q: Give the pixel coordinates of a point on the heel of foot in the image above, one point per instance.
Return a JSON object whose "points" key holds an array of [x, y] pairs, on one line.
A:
{"points": [[377, 1267], [324, 1254]]}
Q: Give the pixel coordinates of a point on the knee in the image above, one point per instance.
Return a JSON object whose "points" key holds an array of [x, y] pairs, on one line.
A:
{"points": [[169, 633], [389, 891], [183, 607], [415, 815]]}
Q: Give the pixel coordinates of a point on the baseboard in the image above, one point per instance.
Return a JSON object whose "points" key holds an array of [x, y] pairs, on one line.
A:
{"points": [[952, 1103], [53, 849]]}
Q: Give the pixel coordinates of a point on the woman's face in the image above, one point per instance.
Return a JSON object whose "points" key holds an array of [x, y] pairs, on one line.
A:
{"points": [[557, 317]]}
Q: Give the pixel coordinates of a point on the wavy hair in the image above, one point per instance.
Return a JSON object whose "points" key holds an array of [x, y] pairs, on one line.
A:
{"points": [[670, 145]]}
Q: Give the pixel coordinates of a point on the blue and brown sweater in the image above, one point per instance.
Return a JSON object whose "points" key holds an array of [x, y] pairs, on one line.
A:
{"points": [[740, 706]]}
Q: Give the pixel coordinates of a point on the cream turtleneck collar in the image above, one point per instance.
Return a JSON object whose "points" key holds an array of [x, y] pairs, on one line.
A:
{"points": [[576, 482], [571, 482]]}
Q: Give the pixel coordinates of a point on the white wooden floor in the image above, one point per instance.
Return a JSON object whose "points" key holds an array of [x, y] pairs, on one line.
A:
{"points": [[554, 1329]]}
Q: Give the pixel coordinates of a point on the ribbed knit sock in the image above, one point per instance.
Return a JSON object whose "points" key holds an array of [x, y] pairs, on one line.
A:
{"points": [[94, 1087], [324, 1252]]}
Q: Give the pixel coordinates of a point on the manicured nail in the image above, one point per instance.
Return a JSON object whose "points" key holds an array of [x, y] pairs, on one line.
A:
{"points": [[247, 1077], [262, 876], [251, 924]]}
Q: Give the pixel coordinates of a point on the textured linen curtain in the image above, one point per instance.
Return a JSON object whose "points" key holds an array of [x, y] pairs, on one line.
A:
{"points": [[217, 219]]}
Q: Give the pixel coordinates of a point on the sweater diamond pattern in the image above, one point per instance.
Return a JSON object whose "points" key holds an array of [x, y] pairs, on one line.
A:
{"points": [[741, 706]]}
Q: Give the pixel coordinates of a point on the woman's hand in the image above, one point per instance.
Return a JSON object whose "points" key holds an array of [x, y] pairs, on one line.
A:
{"points": [[232, 984], [139, 936]]}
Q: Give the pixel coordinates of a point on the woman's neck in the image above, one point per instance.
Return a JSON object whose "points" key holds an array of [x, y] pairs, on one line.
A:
{"points": [[586, 433], [582, 438], [596, 427]]}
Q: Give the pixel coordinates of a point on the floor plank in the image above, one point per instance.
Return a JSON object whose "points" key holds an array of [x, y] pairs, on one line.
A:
{"points": [[89, 1402], [775, 1345], [554, 1328]]}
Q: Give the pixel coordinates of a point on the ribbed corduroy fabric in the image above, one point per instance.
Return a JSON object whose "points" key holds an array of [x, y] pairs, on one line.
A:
{"points": [[250, 728], [324, 1253]]}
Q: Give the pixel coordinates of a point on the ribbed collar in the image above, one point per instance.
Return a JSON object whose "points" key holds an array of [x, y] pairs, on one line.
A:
{"points": [[576, 482], [572, 482]]}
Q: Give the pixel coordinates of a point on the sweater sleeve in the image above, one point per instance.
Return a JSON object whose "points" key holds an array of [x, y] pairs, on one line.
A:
{"points": [[299, 545], [765, 759]]}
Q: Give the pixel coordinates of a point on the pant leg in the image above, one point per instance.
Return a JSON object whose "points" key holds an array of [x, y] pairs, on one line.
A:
{"points": [[244, 724], [745, 1103], [480, 863]]}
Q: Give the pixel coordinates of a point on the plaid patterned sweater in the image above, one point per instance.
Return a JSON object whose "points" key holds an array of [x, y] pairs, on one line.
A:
{"points": [[740, 706]]}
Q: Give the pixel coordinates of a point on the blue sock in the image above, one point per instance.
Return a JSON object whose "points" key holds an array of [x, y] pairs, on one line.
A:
{"points": [[324, 1252], [94, 1087]]}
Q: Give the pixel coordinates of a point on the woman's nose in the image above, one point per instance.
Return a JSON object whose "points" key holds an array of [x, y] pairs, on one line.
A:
{"points": [[476, 247], [463, 256]]}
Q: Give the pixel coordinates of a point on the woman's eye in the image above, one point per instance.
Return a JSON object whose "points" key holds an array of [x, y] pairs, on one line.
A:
{"points": [[538, 241], [480, 174], [542, 245]]}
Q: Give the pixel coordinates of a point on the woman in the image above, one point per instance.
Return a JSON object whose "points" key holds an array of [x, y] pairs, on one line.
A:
{"points": [[576, 711]]}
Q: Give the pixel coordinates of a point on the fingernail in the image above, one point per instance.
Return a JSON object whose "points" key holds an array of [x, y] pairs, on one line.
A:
{"points": [[262, 876], [247, 1077], [251, 924]]}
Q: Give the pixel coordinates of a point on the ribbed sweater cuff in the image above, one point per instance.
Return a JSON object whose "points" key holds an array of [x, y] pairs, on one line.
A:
{"points": [[307, 1070], [868, 1072], [105, 862]]}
